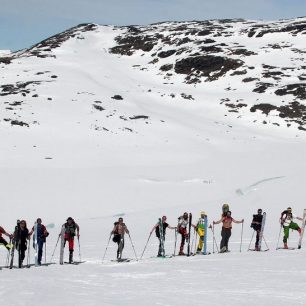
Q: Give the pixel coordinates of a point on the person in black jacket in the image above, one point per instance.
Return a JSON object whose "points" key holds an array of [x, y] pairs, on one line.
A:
{"points": [[256, 225], [21, 235]]}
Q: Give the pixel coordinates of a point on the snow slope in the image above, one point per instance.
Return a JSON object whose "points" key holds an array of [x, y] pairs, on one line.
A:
{"points": [[71, 147]]}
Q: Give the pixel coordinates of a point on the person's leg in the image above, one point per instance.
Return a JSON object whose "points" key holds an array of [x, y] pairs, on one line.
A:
{"points": [[201, 239], [183, 232], [40, 246], [286, 235], [71, 248], [223, 240], [227, 237]]}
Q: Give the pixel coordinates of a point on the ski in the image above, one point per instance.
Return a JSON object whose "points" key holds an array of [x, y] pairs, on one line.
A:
{"points": [[162, 238], [75, 262], [12, 254], [254, 250], [62, 248], [121, 260], [282, 248], [35, 244], [263, 222], [189, 232], [302, 229], [205, 236]]}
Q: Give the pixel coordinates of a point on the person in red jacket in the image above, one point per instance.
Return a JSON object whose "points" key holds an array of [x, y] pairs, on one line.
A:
{"points": [[3, 241]]}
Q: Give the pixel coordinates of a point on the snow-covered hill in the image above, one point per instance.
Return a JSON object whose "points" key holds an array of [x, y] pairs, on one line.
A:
{"points": [[100, 121]]}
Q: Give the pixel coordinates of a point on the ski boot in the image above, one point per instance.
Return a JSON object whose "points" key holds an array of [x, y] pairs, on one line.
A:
{"points": [[223, 249], [199, 251], [285, 245], [71, 257]]}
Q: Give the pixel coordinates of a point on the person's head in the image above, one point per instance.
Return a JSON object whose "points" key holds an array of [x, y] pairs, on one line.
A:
{"points": [[185, 215], [120, 220], [38, 221], [289, 210], [69, 220], [203, 214], [164, 218], [229, 213], [259, 211], [225, 208], [23, 224]]}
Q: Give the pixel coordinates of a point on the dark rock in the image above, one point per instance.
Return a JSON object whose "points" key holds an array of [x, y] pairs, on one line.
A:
{"points": [[205, 65], [98, 107], [262, 87], [20, 123], [246, 80], [117, 97], [165, 54], [166, 67], [139, 117], [297, 90], [264, 107]]}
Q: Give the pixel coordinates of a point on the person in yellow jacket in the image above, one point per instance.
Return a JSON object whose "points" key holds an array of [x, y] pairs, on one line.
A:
{"points": [[200, 228]]}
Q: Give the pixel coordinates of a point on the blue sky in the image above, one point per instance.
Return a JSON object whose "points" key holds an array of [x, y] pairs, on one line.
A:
{"points": [[25, 22]]}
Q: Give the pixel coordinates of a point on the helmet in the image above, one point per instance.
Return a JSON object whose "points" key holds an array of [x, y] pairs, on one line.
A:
{"points": [[225, 207], [203, 213]]}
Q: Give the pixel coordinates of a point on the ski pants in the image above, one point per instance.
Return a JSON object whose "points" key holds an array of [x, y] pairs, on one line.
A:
{"points": [[257, 238], [184, 234], [70, 240], [21, 248], [120, 241], [40, 246], [201, 233], [161, 248], [4, 242], [225, 234], [293, 226]]}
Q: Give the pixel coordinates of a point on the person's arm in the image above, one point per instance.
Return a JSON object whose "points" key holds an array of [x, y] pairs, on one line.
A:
{"points": [[7, 234], [235, 221], [301, 219], [172, 227], [31, 232], [218, 222], [126, 230], [153, 229]]}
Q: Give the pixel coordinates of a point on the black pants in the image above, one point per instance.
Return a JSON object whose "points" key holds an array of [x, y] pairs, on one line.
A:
{"points": [[161, 248], [225, 234], [119, 239]]}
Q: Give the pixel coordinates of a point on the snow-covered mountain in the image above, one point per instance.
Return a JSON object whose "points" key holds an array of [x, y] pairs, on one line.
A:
{"points": [[143, 121]]}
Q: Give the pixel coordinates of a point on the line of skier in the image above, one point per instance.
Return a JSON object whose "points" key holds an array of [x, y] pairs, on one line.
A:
{"points": [[21, 236], [183, 228]]}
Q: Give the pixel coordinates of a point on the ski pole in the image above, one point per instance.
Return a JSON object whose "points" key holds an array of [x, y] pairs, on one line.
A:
{"points": [[28, 256], [196, 242], [265, 242], [280, 231], [55, 248], [133, 246], [45, 252], [175, 239], [193, 239], [8, 254], [80, 257], [251, 240], [145, 246], [107, 246], [241, 236], [214, 239]]}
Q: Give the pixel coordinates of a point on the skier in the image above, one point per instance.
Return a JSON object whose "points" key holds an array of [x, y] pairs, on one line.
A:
{"points": [[21, 234], [118, 231], [286, 221], [161, 251], [42, 233], [256, 225], [182, 229], [71, 229], [3, 241], [226, 230], [200, 228]]}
